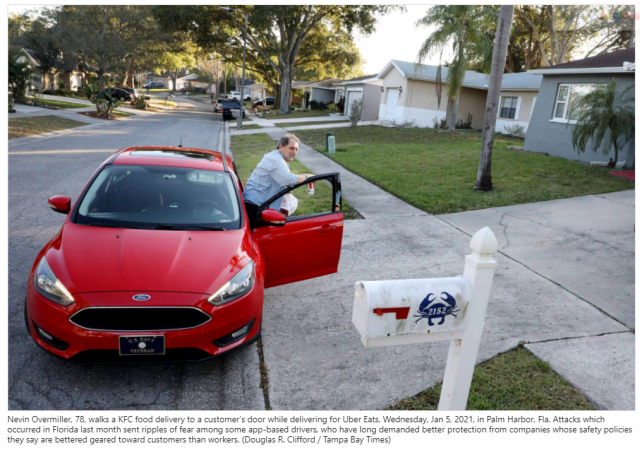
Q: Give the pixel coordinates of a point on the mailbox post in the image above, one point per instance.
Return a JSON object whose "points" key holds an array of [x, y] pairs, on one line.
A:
{"points": [[388, 313]]}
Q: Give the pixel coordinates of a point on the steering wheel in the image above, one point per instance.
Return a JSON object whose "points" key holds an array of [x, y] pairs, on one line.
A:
{"points": [[203, 207]]}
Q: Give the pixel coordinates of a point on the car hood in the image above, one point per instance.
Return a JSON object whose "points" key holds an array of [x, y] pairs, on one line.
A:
{"points": [[99, 259]]}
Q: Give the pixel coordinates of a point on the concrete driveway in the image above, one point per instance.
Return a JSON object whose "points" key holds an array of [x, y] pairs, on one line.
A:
{"points": [[61, 164]]}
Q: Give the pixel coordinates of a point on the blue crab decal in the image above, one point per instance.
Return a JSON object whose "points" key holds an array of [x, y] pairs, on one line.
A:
{"points": [[430, 311]]}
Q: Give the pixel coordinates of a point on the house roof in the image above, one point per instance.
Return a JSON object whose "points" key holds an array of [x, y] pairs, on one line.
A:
{"points": [[472, 79], [26, 52], [359, 80], [324, 84], [611, 62]]}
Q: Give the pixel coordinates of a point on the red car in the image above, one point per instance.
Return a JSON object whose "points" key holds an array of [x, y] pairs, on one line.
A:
{"points": [[156, 261]]}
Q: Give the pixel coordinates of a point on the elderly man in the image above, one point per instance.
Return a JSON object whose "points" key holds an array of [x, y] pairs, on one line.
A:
{"points": [[271, 176]]}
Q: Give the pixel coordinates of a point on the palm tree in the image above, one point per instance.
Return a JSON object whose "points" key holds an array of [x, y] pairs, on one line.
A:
{"points": [[605, 117], [505, 17], [461, 26]]}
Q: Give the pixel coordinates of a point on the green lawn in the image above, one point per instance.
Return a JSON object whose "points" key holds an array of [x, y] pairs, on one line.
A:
{"points": [[295, 114], [436, 172], [61, 104], [296, 124], [514, 380], [248, 150], [28, 126]]}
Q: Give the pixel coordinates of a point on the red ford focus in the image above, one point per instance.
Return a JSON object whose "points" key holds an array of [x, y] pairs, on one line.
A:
{"points": [[156, 260]]}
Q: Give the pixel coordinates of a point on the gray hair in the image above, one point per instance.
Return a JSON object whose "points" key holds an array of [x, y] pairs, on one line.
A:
{"points": [[284, 140]]}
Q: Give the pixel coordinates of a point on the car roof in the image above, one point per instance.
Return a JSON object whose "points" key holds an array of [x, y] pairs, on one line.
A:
{"points": [[172, 157]]}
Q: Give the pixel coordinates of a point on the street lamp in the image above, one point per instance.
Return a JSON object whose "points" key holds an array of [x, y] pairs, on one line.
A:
{"points": [[244, 56]]}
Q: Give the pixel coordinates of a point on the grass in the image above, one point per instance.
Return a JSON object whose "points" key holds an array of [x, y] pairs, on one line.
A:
{"points": [[248, 150], [296, 124], [436, 172], [160, 103], [514, 380], [295, 114], [28, 126], [61, 104]]}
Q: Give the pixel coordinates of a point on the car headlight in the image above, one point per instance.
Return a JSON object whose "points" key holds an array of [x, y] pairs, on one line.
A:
{"points": [[48, 285], [237, 287]]}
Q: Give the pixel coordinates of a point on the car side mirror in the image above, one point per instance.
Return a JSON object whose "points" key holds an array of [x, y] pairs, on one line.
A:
{"points": [[60, 204], [273, 217]]}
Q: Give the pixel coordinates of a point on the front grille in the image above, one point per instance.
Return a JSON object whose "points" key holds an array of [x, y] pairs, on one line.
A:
{"points": [[112, 356], [139, 318]]}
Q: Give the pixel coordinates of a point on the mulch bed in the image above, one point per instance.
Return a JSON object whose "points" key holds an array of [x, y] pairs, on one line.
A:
{"points": [[630, 175]]}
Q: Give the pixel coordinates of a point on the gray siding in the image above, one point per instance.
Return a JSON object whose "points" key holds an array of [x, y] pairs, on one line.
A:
{"points": [[554, 138], [322, 95], [371, 102]]}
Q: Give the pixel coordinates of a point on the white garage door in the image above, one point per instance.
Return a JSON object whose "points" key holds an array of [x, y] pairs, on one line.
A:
{"points": [[392, 102], [352, 95]]}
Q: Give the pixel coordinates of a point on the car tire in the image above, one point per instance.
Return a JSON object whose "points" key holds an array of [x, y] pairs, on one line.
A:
{"points": [[26, 317], [121, 99]]}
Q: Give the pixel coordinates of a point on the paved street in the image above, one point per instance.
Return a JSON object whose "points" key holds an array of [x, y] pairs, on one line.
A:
{"points": [[61, 165]]}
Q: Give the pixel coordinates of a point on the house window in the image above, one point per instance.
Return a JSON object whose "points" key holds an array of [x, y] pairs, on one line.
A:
{"points": [[508, 108], [568, 97]]}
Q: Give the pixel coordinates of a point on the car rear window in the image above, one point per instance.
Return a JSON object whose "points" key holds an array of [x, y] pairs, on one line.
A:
{"points": [[148, 197]]}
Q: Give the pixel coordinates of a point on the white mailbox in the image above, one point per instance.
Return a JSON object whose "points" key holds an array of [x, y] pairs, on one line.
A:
{"points": [[410, 311], [388, 313]]}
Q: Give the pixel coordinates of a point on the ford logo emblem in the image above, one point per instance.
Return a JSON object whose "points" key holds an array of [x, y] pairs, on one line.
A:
{"points": [[141, 297]]}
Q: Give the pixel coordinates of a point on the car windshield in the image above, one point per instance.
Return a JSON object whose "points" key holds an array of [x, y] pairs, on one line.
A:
{"points": [[161, 198]]}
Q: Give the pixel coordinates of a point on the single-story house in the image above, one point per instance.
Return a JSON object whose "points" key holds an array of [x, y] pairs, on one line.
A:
{"points": [[258, 91], [365, 88], [320, 91], [166, 78], [410, 96], [550, 126]]}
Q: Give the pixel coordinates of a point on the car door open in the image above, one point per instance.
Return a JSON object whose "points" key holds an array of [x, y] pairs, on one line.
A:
{"points": [[308, 244]]}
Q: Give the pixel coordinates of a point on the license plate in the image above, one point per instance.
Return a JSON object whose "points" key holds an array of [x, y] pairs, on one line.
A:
{"points": [[142, 345]]}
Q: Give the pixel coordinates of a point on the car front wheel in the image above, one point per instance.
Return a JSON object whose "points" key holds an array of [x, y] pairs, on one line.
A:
{"points": [[121, 99]]}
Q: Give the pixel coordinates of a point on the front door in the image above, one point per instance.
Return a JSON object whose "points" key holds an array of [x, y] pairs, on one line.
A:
{"points": [[392, 103], [309, 243]]}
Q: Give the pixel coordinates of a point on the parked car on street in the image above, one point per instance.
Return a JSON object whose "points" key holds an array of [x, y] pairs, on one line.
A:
{"points": [[230, 108], [265, 101], [236, 96], [217, 107], [121, 94], [156, 261], [153, 85]]}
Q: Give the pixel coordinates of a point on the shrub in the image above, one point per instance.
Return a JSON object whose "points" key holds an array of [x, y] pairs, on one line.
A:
{"points": [[333, 108], [439, 123], [19, 77], [313, 104], [341, 104], [516, 130], [139, 102], [322, 106], [464, 125], [104, 101], [296, 105], [354, 112]]}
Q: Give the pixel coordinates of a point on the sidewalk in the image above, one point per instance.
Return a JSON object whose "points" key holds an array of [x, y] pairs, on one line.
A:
{"points": [[270, 126], [579, 319]]}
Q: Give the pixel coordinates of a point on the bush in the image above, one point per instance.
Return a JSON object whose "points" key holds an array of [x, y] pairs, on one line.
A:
{"points": [[104, 101], [341, 104], [139, 102], [333, 108], [439, 123], [516, 130], [313, 104], [296, 105], [322, 106], [464, 125], [19, 77], [354, 112]]}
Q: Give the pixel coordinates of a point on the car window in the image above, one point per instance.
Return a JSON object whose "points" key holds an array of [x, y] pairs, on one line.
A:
{"points": [[140, 196]]}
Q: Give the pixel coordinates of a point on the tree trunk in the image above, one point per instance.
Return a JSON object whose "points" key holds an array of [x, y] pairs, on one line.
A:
{"points": [[633, 32], [612, 163], [285, 91], [505, 17], [101, 79], [630, 162], [454, 112]]}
